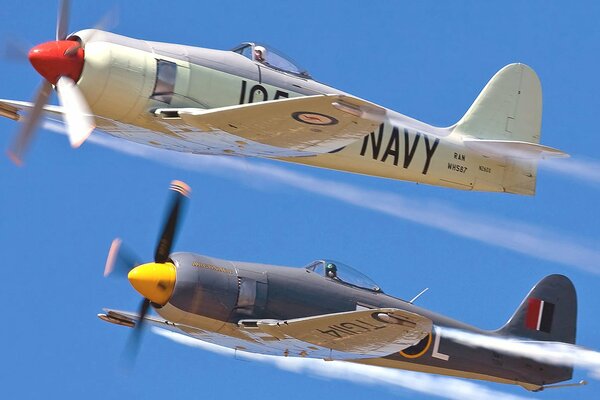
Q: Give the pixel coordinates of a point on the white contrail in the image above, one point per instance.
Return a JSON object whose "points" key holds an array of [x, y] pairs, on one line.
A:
{"points": [[523, 238], [582, 168], [555, 353], [443, 387]]}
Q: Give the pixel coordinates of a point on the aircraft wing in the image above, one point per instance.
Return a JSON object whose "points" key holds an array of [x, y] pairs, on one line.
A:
{"points": [[11, 108], [318, 124], [130, 319], [297, 127], [376, 332]]}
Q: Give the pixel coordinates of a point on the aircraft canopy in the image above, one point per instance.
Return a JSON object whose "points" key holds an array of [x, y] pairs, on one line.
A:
{"points": [[270, 57], [343, 273]]}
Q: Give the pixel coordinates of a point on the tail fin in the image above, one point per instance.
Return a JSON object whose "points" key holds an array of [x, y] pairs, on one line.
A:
{"points": [[548, 313], [508, 108]]}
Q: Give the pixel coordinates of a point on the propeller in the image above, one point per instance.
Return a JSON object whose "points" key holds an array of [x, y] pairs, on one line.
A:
{"points": [[155, 281], [60, 63], [121, 259], [15, 49]]}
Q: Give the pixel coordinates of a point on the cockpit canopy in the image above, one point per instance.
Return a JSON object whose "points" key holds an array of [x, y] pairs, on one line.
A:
{"points": [[343, 273], [270, 57]]}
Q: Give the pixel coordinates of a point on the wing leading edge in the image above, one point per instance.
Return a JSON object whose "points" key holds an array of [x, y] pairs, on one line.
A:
{"points": [[318, 124], [342, 336], [376, 332]]}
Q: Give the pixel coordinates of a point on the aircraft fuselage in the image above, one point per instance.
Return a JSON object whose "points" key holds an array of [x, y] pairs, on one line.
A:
{"points": [[219, 301], [125, 80]]}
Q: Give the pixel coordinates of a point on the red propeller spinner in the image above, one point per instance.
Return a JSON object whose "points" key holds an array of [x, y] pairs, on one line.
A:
{"points": [[58, 58], [60, 62]]}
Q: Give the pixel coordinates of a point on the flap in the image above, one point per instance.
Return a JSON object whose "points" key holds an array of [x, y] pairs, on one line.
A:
{"points": [[376, 332], [513, 149], [319, 124]]}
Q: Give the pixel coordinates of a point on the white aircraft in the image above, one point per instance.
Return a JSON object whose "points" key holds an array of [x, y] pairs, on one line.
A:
{"points": [[253, 101]]}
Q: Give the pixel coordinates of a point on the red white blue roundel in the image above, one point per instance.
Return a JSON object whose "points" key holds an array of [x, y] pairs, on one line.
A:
{"points": [[314, 118]]}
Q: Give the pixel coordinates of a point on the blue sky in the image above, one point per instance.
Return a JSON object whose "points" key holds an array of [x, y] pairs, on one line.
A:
{"points": [[427, 60]]}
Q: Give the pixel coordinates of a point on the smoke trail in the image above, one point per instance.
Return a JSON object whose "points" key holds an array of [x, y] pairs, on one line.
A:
{"points": [[523, 238], [534, 241], [555, 353], [443, 387], [584, 169]]}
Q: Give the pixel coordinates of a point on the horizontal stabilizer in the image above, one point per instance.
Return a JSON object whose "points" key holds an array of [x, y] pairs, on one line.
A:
{"points": [[513, 149], [376, 332]]}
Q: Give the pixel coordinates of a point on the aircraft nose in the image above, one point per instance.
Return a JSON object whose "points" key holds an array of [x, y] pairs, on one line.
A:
{"points": [[154, 281], [58, 58]]}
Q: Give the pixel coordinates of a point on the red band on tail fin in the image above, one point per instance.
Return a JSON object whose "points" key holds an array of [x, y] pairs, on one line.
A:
{"points": [[539, 315], [533, 313]]}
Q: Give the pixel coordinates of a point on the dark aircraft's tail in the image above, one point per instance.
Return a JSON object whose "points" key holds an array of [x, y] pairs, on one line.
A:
{"points": [[548, 313]]}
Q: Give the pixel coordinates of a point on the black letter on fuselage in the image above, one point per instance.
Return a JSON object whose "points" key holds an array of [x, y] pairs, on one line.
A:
{"points": [[279, 95], [394, 142], [243, 92], [254, 90], [408, 155], [375, 143], [429, 152]]}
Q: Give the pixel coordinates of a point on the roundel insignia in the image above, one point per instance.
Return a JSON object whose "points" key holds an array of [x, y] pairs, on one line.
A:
{"points": [[418, 349], [314, 118]]}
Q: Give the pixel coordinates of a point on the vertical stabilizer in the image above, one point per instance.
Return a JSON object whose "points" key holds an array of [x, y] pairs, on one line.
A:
{"points": [[508, 108], [548, 312]]}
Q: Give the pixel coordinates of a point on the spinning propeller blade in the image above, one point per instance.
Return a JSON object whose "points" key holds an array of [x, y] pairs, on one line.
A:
{"points": [[16, 50], [120, 259], [60, 63], [62, 21], [77, 116], [133, 343], [180, 192], [27, 131], [156, 280]]}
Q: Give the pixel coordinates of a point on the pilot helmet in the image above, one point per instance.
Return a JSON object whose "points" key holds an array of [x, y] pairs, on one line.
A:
{"points": [[262, 50], [331, 270]]}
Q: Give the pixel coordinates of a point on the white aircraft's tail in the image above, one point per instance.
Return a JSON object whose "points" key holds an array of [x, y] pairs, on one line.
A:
{"points": [[505, 121], [508, 108]]}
